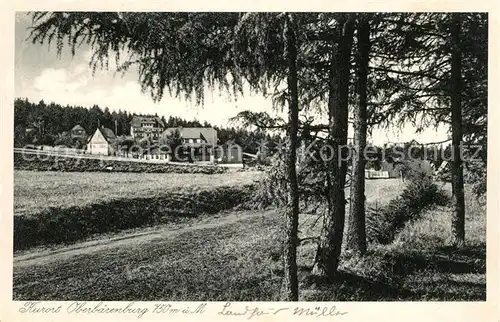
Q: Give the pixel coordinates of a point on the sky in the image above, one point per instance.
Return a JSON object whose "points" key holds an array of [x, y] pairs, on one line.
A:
{"points": [[68, 80]]}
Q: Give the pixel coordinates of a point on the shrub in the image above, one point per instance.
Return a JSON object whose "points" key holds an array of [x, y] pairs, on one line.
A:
{"points": [[271, 190], [475, 174], [384, 223], [311, 176], [417, 170]]}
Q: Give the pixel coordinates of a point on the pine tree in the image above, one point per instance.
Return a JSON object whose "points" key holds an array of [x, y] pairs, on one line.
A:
{"points": [[356, 237], [292, 206], [457, 175], [330, 246]]}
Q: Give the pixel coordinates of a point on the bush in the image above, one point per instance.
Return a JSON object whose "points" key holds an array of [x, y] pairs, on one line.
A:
{"points": [[383, 224], [272, 189], [479, 186], [417, 170], [475, 174]]}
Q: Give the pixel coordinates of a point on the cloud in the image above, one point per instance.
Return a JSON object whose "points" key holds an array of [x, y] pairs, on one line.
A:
{"points": [[81, 68], [22, 17], [87, 57], [52, 82], [75, 85]]}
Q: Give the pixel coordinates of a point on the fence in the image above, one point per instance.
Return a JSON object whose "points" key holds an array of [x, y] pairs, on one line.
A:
{"points": [[152, 159], [372, 174]]}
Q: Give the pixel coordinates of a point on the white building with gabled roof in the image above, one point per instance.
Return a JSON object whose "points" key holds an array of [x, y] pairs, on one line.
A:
{"points": [[101, 142]]}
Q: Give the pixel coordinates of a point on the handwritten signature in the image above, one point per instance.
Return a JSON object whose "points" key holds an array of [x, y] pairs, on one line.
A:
{"points": [[251, 312]]}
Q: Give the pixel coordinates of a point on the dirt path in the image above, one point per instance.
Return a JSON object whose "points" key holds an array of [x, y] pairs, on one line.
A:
{"points": [[46, 256]]}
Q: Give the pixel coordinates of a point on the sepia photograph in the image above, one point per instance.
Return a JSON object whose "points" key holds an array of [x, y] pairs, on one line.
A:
{"points": [[249, 156]]}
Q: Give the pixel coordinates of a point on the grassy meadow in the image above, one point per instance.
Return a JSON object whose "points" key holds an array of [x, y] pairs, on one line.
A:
{"points": [[38, 190], [53, 208], [35, 191], [235, 254]]}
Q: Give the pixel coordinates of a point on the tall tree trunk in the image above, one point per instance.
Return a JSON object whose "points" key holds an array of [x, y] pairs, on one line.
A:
{"points": [[292, 206], [457, 175], [329, 248], [356, 236]]}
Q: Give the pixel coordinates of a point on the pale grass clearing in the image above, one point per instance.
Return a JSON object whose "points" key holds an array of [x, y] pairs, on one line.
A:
{"points": [[35, 191], [380, 191], [435, 226]]}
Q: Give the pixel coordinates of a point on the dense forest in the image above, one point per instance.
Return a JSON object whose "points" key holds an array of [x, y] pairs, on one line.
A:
{"points": [[42, 123]]}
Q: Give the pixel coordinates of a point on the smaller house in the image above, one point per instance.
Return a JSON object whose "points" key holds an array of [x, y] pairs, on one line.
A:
{"points": [[195, 136], [443, 173], [101, 142], [157, 153], [442, 168], [373, 174], [78, 132], [200, 140], [384, 170]]}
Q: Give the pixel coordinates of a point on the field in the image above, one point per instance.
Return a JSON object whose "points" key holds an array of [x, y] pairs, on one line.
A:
{"points": [[53, 208], [235, 255], [35, 191]]}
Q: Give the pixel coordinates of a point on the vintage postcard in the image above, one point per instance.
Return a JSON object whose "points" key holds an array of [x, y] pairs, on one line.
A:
{"points": [[187, 162]]}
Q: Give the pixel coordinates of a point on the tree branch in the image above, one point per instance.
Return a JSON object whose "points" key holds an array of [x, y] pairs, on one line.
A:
{"points": [[387, 70], [439, 142]]}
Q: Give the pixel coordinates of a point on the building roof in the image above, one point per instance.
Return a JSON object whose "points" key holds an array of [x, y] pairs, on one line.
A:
{"points": [[77, 127], [208, 134], [108, 134], [401, 144], [413, 142], [157, 150], [138, 120]]}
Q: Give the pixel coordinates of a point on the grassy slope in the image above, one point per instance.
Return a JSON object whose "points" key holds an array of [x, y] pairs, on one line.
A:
{"points": [[230, 261], [240, 261], [35, 191]]}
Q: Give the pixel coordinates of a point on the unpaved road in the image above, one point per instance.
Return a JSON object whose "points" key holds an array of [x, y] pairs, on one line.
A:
{"points": [[41, 257]]}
